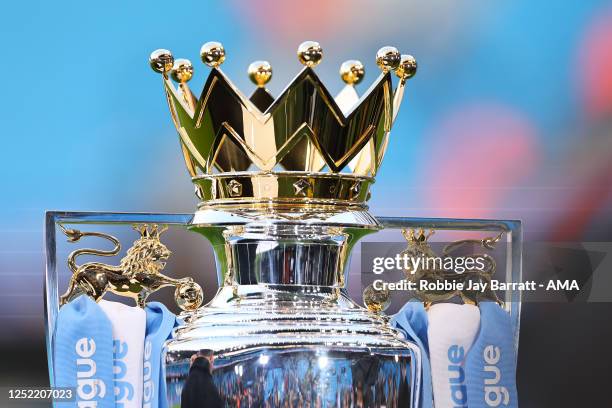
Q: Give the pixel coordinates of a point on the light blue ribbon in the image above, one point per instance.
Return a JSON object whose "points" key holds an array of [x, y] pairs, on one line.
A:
{"points": [[490, 365], [83, 354], [412, 321], [160, 322]]}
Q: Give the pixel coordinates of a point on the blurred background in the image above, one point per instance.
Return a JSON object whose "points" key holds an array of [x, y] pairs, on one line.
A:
{"points": [[509, 116]]}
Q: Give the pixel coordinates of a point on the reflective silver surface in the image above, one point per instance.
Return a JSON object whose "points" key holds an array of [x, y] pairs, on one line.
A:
{"points": [[282, 329], [307, 378], [295, 345]]}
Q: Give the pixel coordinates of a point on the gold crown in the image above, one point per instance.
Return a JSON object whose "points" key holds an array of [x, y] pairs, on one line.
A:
{"points": [[304, 147]]}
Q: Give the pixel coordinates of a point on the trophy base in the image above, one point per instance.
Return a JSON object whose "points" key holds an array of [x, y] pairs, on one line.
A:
{"points": [[298, 346]]}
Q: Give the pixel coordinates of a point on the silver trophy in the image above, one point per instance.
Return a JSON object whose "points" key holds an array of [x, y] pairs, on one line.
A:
{"points": [[283, 185]]}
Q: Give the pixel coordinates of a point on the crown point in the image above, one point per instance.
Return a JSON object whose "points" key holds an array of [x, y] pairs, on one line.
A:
{"points": [[310, 53], [212, 54], [182, 71], [161, 61], [260, 73], [407, 67], [352, 72], [388, 58]]}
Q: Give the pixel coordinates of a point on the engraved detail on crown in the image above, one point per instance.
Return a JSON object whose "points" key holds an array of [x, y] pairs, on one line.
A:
{"points": [[303, 147], [302, 187]]}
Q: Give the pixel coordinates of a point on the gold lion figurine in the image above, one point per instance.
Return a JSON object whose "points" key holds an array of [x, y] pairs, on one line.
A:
{"points": [[418, 246], [138, 274]]}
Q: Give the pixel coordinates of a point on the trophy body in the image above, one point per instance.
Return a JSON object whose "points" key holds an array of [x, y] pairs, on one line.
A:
{"points": [[283, 330], [283, 185]]}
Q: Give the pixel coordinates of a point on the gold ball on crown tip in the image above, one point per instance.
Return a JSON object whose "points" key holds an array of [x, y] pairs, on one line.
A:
{"points": [[310, 53], [388, 58], [212, 54], [260, 73], [407, 67], [182, 71], [161, 61], [352, 72]]}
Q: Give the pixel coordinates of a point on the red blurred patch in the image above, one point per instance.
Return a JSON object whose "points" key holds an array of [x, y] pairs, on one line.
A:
{"points": [[291, 22], [479, 154], [595, 66]]}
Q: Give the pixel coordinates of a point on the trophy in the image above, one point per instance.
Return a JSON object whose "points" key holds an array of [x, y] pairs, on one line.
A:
{"points": [[283, 185]]}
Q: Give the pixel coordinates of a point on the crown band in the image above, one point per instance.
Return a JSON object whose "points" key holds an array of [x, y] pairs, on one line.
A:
{"points": [[283, 188]]}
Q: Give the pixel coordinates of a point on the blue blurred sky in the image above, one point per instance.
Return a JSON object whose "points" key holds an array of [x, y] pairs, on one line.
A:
{"points": [[509, 115]]}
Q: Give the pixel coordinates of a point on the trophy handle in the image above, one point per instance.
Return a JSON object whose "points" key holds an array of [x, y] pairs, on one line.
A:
{"points": [[188, 293], [505, 232], [138, 274]]}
